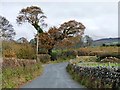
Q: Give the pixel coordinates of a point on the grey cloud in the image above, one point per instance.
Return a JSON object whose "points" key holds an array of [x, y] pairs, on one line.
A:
{"points": [[99, 18]]}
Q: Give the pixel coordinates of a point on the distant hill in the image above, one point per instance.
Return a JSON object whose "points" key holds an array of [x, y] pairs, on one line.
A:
{"points": [[106, 41]]}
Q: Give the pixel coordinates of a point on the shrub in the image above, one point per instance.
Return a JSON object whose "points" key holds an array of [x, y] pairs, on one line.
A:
{"points": [[9, 53], [44, 58], [83, 52], [15, 50], [69, 53], [26, 52], [54, 55], [101, 52], [58, 54]]}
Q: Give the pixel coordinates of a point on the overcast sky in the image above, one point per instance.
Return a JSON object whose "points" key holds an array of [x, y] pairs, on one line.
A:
{"points": [[100, 18]]}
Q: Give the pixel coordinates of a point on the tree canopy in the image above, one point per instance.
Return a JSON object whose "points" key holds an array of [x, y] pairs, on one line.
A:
{"points": [[71, 28], [7, 31], [22, 40], [64, 33], [33, 15]]}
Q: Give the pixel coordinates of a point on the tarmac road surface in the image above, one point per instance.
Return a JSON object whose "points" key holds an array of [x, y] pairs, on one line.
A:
{"points": [[54, 76]]}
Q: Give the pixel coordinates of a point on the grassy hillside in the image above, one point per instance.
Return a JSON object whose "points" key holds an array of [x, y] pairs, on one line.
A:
{"points": [[107, 41]]}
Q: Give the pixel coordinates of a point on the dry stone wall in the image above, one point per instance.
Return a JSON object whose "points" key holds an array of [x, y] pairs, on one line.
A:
{"points": [[12, 62], [106, 76]]}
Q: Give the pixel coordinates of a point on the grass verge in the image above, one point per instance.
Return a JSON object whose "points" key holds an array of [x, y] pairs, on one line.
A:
{"points": [[96, 64], [60, 60], [15, 77]]}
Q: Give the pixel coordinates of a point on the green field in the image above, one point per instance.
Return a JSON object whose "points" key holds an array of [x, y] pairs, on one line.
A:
{"points": [[96, 64]]}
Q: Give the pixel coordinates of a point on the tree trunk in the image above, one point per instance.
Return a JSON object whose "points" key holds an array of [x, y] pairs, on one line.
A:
{"points": [[39, 30], [37, 48], [52, 56], [50, 53]]}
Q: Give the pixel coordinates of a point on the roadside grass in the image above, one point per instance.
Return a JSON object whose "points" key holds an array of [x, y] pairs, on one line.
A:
{"points": [[0, 80], [96, 64], [15, 77], [18, 76], [60, 60]]}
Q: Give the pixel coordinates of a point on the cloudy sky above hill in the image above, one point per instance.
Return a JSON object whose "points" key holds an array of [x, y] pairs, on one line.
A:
{"points": [[100, 18]]}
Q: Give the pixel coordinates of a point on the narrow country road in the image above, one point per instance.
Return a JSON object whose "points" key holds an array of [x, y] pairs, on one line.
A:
{"points": [[54, 76]]}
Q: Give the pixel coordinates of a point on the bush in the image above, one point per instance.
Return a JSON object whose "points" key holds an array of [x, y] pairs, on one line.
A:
{"points": [[101, 52], [83, 52], [58, 54], [15, 50], [9, 53], [44, 58], [54, 55], [26, 52], [69, 54]]}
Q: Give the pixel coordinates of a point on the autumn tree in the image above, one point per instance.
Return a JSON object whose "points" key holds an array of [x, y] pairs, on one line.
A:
{"points": [[71, 32], [55, 35], [71, 28], [7, 31], [46, 42], [35, 16], [49, 39], [64, 44], [68, 43]]}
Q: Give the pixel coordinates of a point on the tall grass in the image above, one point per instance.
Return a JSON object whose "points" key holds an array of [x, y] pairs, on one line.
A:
{"points": [[109, 49], [101, 52], [15, 77]]}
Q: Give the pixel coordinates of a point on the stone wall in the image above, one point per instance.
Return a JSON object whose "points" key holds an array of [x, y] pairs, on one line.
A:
{"points": [[101, 77], [13, 62]]}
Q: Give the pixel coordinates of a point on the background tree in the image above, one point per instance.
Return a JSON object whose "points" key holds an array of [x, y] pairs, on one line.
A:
{"points": [[35, 16], [7, 31], [87, 40], [33, 42], [22, 40]]}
